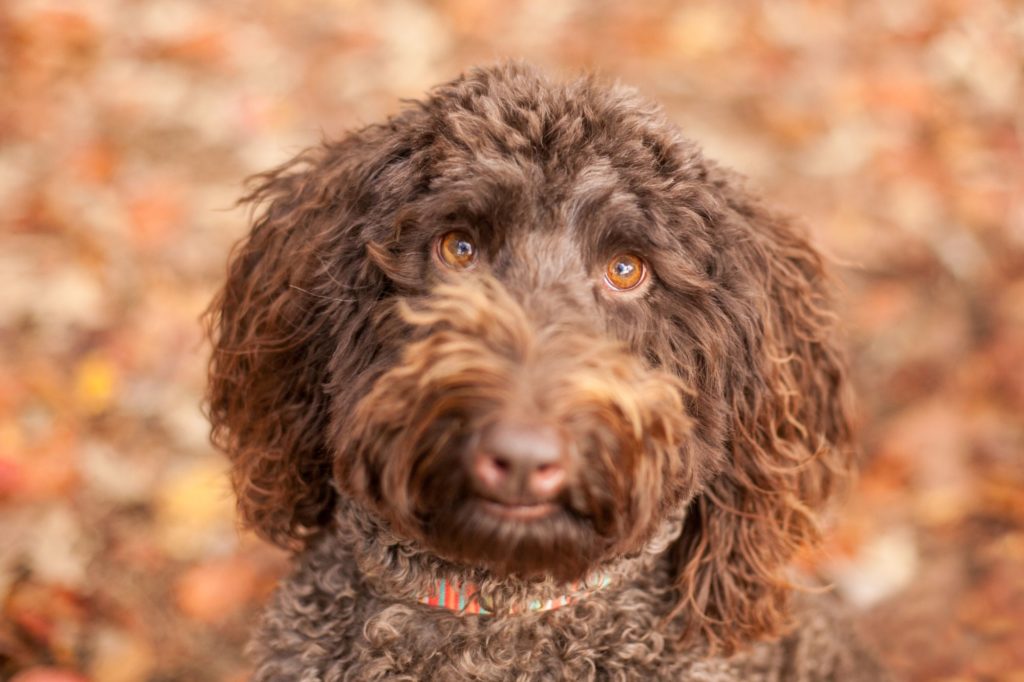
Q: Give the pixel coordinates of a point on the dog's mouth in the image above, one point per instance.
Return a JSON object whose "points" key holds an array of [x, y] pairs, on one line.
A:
{"points": [[517, 512], [514, 536]]}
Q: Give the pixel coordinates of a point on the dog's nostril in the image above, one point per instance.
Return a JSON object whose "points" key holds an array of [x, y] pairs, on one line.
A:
{"points": [[490, 472], [520, 463], [547, 481]]}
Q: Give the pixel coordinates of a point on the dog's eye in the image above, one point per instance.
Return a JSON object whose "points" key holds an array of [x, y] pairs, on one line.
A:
{"points": [[625, 272], [456, 250]]}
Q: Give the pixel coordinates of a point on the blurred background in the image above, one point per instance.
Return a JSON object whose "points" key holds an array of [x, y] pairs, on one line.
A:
{"points": [[127, 126]]}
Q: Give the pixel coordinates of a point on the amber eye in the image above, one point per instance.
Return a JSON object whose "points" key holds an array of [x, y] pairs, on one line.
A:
{"points": [[456, 250], [625, 272]]}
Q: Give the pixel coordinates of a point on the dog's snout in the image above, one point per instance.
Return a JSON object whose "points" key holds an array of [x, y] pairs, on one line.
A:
{"points": [[520, 463]]}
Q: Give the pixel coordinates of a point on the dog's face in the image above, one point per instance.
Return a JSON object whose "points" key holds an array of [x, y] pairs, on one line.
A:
{"points": [[520, 413], [523, 322]]}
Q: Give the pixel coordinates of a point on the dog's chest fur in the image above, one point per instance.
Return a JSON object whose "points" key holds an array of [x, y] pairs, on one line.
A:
{"points": [[349, 613]]}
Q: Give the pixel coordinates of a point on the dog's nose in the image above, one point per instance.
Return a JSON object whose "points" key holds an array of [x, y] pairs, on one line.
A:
{"points": [[520, 463]]}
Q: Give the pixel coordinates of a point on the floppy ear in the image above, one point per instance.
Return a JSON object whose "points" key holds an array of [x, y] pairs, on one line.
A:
{"points": [[788, 443], [288, 306]]}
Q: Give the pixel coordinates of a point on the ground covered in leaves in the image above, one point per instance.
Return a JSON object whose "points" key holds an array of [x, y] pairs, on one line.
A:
{"points": [[894, 128]]}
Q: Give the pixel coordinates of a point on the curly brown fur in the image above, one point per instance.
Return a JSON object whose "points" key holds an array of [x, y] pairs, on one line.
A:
{"points": [[706, 409]]}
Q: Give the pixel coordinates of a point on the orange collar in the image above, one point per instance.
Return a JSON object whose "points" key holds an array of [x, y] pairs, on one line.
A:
{"points": [[466, 598]]}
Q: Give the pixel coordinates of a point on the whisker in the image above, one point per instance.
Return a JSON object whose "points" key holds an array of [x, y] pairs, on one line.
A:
{"points": [[321, 296]]}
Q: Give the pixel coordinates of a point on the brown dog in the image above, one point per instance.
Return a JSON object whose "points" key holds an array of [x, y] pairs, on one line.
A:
{"points": [[521, 347]]}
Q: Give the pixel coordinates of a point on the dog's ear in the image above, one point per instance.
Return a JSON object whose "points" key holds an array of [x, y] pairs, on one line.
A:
{"points": [[290, 303], [788, 433]]}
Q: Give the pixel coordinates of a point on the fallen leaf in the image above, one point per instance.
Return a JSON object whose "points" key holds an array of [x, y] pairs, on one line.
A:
{"points": [[95, 384], [214, 591]]}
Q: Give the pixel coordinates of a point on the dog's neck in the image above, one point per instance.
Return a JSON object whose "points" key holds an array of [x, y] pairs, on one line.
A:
{"points": [[401, 570]]}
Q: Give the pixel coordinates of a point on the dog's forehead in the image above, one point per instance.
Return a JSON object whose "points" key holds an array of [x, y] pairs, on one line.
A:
{"points": [[545, 184]]}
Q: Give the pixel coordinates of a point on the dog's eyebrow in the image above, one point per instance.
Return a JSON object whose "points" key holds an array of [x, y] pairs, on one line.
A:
{"points": [[612, 216], [480, 191], [625, 230], [601, 202]]}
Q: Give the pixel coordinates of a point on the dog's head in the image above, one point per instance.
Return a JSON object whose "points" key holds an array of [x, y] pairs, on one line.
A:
{"points": [[522, 322]]}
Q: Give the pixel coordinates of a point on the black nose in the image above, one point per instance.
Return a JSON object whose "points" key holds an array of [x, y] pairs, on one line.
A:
{"points": [[519, 463]]}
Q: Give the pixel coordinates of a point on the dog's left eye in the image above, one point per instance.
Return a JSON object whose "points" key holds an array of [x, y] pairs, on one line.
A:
{"points": [[625, 272], [456, 250]]}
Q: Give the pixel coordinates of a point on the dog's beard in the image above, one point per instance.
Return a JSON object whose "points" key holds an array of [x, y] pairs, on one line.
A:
{"points": [[404, 444]]}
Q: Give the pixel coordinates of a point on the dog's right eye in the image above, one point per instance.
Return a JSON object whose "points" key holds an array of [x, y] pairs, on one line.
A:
{"points": [[456, 250]]}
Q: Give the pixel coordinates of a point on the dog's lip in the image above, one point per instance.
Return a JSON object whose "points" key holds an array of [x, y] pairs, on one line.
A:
{"points": [[518, 512]]}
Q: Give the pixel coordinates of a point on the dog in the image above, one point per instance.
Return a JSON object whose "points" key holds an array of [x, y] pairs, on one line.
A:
{"points": [[534, 391]]}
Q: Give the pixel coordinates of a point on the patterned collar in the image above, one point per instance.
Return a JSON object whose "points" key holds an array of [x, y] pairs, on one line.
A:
{"points": [[466, 598]]}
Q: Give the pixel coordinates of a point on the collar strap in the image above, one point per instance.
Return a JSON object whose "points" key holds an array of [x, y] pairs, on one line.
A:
{"points": [[466, 598]]}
